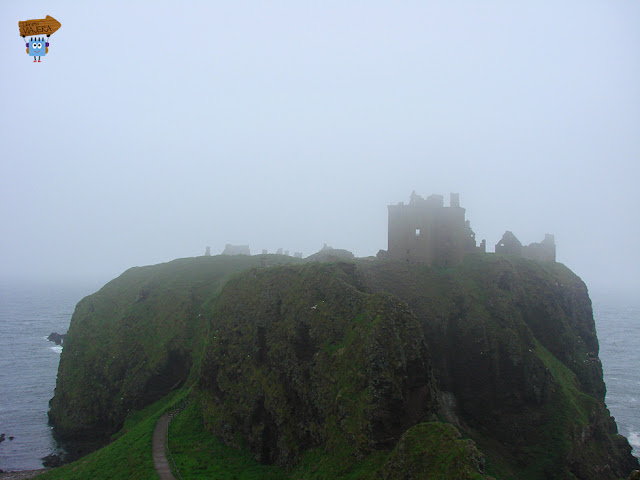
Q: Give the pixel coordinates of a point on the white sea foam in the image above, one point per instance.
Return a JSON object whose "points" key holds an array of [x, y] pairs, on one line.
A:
{"points": [[634, 439], [56, 348]]}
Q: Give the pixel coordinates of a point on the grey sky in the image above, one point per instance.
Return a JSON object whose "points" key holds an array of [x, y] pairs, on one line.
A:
{"points": [[151, 129]]}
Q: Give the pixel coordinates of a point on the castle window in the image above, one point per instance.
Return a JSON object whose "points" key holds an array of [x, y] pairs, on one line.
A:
{"points": [[417, 232]]}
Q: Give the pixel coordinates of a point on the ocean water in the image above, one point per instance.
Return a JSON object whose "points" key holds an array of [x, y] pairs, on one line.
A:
{"points": [[618, 326], [28, 364]]}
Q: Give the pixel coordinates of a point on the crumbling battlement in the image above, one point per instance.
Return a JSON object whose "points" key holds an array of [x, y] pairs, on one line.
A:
{"points": [[544, 251], [426, 231]]}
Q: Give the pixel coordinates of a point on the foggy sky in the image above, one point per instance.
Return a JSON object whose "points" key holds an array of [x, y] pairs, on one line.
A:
{"points": [[153, 129]]}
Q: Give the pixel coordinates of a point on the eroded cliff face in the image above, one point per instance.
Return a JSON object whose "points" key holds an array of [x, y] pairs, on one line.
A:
{"points": [[134, 341], [515, 353], [358, 361], [301, 357]]}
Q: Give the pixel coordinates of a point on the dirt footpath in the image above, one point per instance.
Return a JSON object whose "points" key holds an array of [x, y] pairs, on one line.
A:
{"points": [[158, 447]]}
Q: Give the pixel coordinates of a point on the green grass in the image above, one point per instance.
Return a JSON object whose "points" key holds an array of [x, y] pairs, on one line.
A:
{"points": [[434, 451], [579, 403], [199, 454], [128, 456], [432, 448], [318, 464]]}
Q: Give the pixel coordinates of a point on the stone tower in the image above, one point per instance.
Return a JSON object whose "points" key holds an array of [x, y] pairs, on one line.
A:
{"points": [[426, 231]]}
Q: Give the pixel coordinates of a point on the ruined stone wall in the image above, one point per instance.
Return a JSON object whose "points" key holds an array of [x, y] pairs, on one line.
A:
{"points": [[428, 232], [544, 251], [509, 244]]}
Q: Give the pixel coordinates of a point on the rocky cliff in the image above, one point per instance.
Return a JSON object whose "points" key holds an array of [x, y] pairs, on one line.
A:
{"points": [[301, 357], [135, 340], [372, 362], [515, 354]]}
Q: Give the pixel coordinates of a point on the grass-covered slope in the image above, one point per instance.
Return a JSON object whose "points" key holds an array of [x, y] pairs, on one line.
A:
{"points": [[199, 454], [135, 340], [434, 451], [128, 456], [427, 451]]}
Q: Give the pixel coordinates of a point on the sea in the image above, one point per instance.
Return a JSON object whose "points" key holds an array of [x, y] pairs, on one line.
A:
{"points": [[29, 363], [618, 326], [29, 312]]}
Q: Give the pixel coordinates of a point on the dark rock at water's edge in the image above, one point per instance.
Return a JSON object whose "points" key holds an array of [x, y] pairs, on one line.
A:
{"points": [[57, 338], [53, 460], [2, 437], [71, 449]]}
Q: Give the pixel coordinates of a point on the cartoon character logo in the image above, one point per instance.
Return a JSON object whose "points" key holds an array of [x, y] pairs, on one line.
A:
{"points": [[37, 47]]}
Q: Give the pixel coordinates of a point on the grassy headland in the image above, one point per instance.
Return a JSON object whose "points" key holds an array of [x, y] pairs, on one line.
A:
{"points": [[362, 369]]}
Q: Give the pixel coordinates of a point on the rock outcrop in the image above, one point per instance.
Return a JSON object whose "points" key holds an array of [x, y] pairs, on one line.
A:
{"points": [[57, 338]]}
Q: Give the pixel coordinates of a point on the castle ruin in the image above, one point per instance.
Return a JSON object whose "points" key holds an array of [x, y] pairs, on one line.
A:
{"points": [[544, 251], [425, 231]]}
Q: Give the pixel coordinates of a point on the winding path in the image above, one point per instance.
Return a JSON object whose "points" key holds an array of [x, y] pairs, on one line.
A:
{"points": [[158, 447]]}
